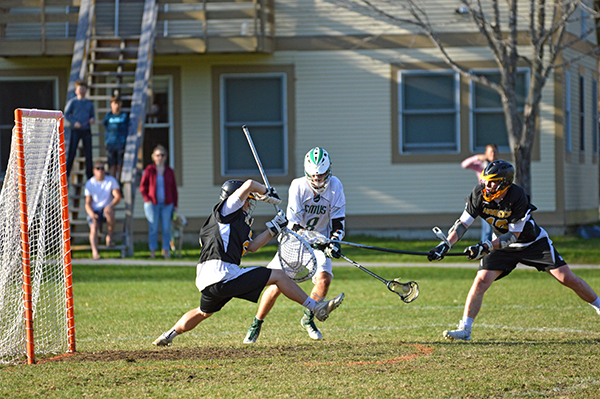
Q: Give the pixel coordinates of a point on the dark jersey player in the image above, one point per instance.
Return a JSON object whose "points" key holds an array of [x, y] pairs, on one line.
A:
{"points": [[517, 239], [225, 237]]}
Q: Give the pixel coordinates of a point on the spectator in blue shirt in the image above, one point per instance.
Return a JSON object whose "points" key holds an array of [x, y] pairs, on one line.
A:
{"points": [[116, 125], [80, 113]]}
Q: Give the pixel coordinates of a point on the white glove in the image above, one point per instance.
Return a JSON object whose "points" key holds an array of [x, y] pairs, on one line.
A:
{"points": [[334, 249], [478, 251], [277, 223], [270, 197]]}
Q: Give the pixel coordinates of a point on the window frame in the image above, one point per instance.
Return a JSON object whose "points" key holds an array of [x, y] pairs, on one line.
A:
{"points": [[568, 126], [286, 72], [581, 113], [401, 112], [473, 109], [594, 118], [26, 78]]}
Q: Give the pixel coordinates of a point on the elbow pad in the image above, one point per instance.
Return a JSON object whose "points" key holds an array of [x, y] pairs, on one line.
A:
{"points": [[506, 239], [459, 228]]}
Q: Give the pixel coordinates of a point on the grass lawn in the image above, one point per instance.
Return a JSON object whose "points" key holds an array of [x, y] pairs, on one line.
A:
{"points": [[574, 250], [533, 338]]}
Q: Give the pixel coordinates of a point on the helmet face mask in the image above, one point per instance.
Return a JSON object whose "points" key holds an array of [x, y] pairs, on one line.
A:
{"points": [[317, 169], [497, 171]]}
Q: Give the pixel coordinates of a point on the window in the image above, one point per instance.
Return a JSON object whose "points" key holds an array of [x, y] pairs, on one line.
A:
{"points": [[488, 124], [158, 128], [428, 106], [595, 116], [581, 113], [567, 123], [258, 100], [22, 92]]}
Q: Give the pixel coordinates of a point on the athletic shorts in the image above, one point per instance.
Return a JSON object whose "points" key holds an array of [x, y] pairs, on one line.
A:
{"points": [[247, 286], [323, 264], [101, 217], [541, 254], [115, 155]]}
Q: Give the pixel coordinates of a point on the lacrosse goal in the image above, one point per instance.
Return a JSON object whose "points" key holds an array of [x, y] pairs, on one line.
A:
{"points": [[36, 295]]}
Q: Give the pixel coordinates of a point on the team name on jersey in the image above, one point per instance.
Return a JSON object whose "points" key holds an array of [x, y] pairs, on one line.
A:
{"points": [[497, 213], [315, 209]]}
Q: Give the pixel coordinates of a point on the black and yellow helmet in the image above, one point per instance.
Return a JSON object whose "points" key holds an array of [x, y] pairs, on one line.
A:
{"points": [[229, 187], [501, 171]]}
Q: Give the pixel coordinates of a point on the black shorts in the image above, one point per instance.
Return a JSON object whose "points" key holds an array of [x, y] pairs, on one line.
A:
{"points": [[541, 254], [248, 286], [115, 155]]}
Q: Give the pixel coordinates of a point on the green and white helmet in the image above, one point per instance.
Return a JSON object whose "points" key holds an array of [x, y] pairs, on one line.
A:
{"points": [[317, 168]]}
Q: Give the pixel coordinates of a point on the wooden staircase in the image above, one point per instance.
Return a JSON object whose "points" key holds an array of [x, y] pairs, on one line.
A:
{"points": [[111, 66]]}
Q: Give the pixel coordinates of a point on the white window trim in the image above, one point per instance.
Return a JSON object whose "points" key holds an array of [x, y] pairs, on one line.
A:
{"points": [[473, 110], [169, 124], [283, 123], [594, 117], [581, 113], [456, 110], [568, 114]]}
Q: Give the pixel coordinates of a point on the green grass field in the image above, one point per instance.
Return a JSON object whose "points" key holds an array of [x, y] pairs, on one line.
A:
{"points": [[533, 339]]}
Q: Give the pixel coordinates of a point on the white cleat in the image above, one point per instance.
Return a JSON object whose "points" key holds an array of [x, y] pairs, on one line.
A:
{"points": [[463, 334], [323, 308], [308, 323], [163, 340]]}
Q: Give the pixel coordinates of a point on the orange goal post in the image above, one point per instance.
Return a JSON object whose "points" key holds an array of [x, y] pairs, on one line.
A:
{"points": [[36, 288]]}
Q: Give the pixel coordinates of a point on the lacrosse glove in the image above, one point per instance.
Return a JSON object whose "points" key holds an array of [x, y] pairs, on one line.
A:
{"points": [[334, 248], [438, 252], [270, 197], [277, 223], [478, 251]]}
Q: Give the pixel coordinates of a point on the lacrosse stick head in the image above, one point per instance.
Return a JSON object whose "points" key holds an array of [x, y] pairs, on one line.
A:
{"points": [[296, 257], [408, 292]]}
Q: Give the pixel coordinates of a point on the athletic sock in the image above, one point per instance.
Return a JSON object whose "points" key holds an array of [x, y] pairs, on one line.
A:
{"points": [[467, 322], [170, 334], [309, 304], [596, 304]]}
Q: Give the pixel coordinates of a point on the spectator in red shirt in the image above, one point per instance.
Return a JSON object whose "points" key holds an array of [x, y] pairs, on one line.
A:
{"points": [[159, 189]]}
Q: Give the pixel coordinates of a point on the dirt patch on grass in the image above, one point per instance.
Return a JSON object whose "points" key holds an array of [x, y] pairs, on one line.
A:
{"points": [[355, 354]]}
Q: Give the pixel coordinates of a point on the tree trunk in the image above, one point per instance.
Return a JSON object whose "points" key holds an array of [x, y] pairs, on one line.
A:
{"points": [[522, 164]]}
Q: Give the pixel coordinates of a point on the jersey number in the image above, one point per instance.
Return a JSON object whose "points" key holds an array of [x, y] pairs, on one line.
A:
{"points": [[500, 223], [311, 223]]}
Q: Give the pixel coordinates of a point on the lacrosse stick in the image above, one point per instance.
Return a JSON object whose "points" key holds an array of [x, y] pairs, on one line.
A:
{"points": [[296, 256], [408, 292], [315, 238]]}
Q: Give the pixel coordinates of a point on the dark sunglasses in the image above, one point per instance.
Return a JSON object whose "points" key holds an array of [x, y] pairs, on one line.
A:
{"points": [[99, 167]]}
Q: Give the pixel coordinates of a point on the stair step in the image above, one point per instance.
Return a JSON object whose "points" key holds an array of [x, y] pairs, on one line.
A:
{"points": [[111, 85], [106, 97], [84, 247], [115, 49], [113, 62], [86, 234], [112, 73]]}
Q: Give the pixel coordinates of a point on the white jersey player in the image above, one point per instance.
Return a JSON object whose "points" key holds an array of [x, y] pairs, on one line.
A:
{"points": [[316, 202]]}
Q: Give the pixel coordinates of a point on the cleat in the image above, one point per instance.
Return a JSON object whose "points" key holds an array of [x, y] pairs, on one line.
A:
{"points": [[308, 323], [253, 331], [323, 308], [163, 341], [463, 334]]}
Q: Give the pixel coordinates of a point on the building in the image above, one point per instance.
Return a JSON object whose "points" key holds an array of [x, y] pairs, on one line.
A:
{"points": [[396, 119]]}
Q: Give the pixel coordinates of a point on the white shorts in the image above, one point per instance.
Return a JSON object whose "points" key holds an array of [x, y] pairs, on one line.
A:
{"points": [[323, 264]]}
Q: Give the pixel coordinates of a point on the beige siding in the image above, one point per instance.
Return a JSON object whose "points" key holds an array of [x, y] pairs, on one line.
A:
{"points": [[581, 169], [343, 104], [323, 17]]}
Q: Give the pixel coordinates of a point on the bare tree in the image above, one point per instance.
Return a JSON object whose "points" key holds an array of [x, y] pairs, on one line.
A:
{"points": [[498, 23]]}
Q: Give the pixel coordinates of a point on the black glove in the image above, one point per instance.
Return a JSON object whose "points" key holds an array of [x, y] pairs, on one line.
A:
{"points": [[270, 197], [478, 251], [438, 252], [333, 250], [277, 223]]}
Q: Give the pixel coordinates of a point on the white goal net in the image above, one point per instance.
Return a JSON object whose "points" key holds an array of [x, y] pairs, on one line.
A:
{"points": [[36, 296]]}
